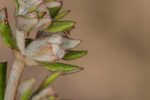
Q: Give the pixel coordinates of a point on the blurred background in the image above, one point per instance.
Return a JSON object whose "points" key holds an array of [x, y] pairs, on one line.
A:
{"points": [[117, 35]]}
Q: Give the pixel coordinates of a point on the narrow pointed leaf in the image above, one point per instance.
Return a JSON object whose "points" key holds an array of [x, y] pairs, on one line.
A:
{"points": [[48, 81], [51, 98], [54, 11], [17, 5], [5, 30], [26, 95], [25, 89], [72, 71], [3, 71], [7, 37], [72, 54], [54, 7], [59, 66], [62, 15], [60, 26]]}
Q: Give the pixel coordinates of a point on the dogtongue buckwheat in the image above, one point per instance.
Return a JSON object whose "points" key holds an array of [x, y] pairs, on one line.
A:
{"points": [[51, 44]]}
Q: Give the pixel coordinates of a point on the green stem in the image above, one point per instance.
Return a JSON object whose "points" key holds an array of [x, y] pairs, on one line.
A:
{"points": [[3, 71]]}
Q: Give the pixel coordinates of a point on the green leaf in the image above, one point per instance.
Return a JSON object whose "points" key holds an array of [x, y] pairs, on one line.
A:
{"points": [[51, 98], [60, 26], [26, 95], [62, 14], [72, 54], [25, 89], [7, 37], [48, 81], [28, 41], [54, 11], [3, 71], [17, 5], [56, 66], [54, 7], [5, 30]]}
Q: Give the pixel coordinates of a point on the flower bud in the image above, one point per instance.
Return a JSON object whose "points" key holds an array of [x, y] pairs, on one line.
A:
{"points": [[50, 48]]}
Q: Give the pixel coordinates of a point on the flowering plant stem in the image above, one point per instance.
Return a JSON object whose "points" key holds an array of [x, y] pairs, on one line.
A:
{"points": [[50, 45], [14, 78]]}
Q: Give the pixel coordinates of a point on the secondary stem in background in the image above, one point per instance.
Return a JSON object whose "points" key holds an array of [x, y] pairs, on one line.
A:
{"points": [[3, 72]]}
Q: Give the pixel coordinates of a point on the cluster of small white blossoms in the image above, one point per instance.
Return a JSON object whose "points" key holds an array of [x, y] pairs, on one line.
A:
{"points": [[50, 43], [46, 46]]}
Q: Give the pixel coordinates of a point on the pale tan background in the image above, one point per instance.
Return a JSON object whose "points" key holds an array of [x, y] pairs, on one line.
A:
{"points": [[117, 35]]}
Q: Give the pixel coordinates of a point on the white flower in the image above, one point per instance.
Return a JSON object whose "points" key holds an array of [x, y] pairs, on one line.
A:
{"points": [[26, 5], [53, 4], [27, 21], [50, 48]]}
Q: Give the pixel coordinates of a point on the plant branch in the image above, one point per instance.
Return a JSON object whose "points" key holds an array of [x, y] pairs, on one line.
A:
{"points": [[14, 78]]}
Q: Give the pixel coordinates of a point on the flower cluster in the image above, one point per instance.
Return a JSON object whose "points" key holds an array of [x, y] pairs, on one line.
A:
{"points": [[42, 38], [38, 15]]}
